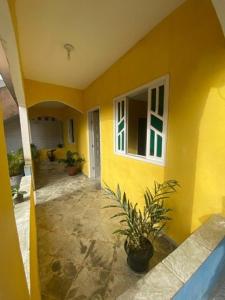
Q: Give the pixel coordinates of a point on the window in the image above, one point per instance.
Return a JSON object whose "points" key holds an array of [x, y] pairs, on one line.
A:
{"points": [[121, 125], [141, 117], [71, 138]]}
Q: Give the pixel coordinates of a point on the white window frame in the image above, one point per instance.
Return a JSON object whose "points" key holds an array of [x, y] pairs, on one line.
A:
{"points": [[125, 124], [149, 159]]}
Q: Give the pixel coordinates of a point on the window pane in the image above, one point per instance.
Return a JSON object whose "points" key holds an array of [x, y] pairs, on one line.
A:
{"points": [[156, 123], [137, 123], [122, 108], [152, 142], [118, 142], [121, 126], [161, 100], [122, 136], [153, 99], [118, 111], [159, 146]]}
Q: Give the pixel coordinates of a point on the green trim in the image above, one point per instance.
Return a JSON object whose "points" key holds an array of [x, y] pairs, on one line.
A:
{"points": [[159, 146], [118, 112], [121, 126], [122, 103], [152, 142], [153, 99], [122, 136], [156, 123], [161, 100]]}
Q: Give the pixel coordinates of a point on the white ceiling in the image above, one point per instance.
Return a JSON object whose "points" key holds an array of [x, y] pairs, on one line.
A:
{"points": [[100, 30]]}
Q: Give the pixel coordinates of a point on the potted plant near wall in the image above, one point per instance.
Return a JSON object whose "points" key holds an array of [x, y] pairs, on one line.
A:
{"points": [[17, 194], [16, 164], [34, 152], [140, 227], [73, 162]]}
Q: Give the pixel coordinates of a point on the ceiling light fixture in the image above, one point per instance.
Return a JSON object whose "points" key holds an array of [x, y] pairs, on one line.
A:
{"points": [[68, 48]]}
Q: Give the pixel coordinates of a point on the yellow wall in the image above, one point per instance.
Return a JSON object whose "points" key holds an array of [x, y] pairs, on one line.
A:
{"points": [[190, 46], [34, 269], [37, 92], [12, 276]]}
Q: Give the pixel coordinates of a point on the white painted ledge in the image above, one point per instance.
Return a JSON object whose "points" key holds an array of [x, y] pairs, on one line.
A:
{"points": [[22, 216], [164, 281]]}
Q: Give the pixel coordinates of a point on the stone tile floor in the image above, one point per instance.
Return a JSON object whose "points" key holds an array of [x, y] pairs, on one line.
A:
{"points": [[79, 257]]}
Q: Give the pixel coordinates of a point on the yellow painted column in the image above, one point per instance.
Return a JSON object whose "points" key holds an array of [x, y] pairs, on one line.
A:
{"points": [[12, 277]]}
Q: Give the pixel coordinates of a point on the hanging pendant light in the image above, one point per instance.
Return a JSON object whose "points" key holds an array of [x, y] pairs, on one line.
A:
{"points": [[68, 48]]}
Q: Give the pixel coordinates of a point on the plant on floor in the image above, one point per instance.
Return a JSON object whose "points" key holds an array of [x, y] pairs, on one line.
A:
{"points": [[17, 194], [34, 152], [16, 164], [140, 226], [73, 162]]}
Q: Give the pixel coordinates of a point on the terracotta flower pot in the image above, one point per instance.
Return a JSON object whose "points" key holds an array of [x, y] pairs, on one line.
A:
{"points": [[72, 170]]}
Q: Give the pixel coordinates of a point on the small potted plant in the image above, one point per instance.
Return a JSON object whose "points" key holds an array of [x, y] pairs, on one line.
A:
{"points": [[34, 152], [17, 194], [16, 164], [140, 227], [73, 162]]}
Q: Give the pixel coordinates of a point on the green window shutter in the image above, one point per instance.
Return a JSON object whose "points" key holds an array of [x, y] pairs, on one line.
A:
{"points": [[153, 99], [157, 121], [161, 100], [120, 125], [152, 142], [159, 146]]}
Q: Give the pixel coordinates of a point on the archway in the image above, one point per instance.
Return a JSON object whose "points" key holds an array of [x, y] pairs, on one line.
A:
{"points": [[54, 129]]}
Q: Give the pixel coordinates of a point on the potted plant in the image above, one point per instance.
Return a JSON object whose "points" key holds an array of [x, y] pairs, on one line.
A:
{"points": [[51, 155], [16, 164], [73, 162], [140, 227], [17, 194], [34, 152]]}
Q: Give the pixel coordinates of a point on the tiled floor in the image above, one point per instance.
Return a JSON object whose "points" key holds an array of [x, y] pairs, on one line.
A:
{"points": [[79, 257]]}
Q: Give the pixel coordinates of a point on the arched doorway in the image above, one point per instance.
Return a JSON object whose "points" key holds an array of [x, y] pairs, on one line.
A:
{"points": [[54, 130]]}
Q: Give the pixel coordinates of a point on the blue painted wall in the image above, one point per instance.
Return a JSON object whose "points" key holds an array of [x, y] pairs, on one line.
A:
{"points": [[204, 282]]}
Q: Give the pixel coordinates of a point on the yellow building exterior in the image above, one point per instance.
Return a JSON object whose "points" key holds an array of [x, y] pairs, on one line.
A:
{"points": [[195, 150]]}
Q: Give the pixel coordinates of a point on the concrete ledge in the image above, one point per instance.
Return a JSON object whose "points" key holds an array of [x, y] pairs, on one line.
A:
{"points": [[164, 281], [22, 216]]}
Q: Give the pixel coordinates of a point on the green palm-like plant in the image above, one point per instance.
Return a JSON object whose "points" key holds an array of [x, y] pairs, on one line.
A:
{"points": [[16, 162], [72, 159], [149, 222]]}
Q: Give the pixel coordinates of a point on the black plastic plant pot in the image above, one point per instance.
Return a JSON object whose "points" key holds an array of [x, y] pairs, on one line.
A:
{"points": [[138, 260], [18, 199]]}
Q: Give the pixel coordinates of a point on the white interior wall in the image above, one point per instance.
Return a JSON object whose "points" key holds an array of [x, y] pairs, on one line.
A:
{"points": [[13, 134], [46, 133]]}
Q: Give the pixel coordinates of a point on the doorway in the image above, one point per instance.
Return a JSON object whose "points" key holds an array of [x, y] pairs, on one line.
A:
{"points": [[94, 143]]}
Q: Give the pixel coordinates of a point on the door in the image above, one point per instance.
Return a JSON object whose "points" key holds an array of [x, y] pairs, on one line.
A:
{"points": [[94, 144]]}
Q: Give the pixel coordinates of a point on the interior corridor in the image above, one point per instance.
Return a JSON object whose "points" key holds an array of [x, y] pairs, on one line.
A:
{"points": [[79, 257]]}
